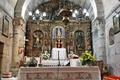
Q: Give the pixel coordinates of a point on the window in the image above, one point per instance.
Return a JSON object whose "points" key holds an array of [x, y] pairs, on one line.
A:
{"points": [[111, 36]]}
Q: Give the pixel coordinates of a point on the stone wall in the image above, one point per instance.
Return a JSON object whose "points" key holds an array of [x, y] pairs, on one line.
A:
{"points": [[98, 35], [102, 35], [113, 50], [109, 5], [7, 40]]}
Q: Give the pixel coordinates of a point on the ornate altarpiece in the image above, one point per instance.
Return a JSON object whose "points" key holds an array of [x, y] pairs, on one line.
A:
{"points": [[43, 35]]}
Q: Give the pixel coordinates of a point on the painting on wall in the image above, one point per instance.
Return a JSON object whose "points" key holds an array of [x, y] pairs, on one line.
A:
{"points": [[5, 26], [80, 42], [116, 23]]}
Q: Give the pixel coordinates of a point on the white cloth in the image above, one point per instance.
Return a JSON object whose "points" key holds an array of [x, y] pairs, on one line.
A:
{"points": [[54, 62], [13, 78], [61, 52], [75, 62]]}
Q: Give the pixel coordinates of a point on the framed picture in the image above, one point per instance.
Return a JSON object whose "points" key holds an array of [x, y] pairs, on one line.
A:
{"points": [[116, 23], [5, 27]]}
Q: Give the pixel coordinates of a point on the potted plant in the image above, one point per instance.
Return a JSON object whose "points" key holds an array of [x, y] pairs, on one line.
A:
{"points": [[32, 62], [87, 58], [45, 56]]}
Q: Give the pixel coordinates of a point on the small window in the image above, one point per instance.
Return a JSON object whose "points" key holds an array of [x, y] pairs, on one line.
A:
{"points": [[111, 36]]}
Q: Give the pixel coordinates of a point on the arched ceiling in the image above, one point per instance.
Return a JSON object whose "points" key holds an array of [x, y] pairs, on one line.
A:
{"points": [[23, 7]]}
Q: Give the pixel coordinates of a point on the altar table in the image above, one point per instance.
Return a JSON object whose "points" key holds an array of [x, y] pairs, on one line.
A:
{"points": [[59, 73]]}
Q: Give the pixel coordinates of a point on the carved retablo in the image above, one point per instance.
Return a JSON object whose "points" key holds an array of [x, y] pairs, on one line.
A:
{"points": [[47, 35]]}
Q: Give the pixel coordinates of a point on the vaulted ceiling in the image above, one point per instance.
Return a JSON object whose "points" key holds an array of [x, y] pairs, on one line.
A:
{"points": [[8, 6], [31, 5]]}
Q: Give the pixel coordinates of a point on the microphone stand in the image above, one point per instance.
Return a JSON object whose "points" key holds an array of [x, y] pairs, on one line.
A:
{"points": [[58, 59]]}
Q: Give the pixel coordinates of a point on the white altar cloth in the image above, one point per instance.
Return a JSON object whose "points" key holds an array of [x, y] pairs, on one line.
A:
{"points": [[54, 62], [61, 52]]}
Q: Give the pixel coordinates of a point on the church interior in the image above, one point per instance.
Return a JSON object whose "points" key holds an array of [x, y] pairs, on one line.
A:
{"points": [[59, 39]]}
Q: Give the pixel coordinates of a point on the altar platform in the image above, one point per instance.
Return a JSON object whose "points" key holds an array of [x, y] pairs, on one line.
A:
{"points": [[59, 73]]}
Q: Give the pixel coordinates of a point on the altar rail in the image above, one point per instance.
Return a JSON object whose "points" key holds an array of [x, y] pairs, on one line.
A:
{"points": [[59, 73]]}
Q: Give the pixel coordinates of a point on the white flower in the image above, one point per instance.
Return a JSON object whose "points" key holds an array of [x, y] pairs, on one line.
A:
{"points": [[46, 55]]}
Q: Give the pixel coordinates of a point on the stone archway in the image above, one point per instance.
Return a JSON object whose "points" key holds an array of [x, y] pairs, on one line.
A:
{"points": [[100, 8], [18, 8]]}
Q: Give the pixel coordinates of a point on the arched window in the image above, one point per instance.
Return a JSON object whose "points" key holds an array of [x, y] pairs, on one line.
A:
{"points": [[111, 36]]}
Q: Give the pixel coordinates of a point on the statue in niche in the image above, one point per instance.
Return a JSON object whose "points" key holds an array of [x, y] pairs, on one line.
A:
{"points": [[58, 32], [79, 39], [37, 35], [45, 45]]}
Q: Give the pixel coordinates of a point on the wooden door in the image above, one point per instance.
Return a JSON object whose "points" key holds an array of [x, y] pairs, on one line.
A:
{"points": [[1, 54]]}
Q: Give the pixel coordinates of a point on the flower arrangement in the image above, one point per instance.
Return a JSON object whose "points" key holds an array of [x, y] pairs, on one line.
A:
{"points": [[87, 58], [46, 55], [32, 63]]}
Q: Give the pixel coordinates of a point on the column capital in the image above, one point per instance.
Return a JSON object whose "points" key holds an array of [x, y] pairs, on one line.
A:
{"points": [[99, 20], [18, 21]]}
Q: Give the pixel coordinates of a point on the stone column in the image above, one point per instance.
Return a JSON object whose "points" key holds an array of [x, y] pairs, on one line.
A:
{"points": [[18, 24], [98, 30]]}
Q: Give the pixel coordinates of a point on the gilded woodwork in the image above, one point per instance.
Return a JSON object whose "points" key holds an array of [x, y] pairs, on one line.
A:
{"points": [[47, 42]]}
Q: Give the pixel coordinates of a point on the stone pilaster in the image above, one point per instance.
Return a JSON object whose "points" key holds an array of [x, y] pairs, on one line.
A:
{"points": [[98, 30], [18, 24]]}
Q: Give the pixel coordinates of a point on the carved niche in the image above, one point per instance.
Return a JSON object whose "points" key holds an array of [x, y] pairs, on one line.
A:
{"points": [[37, 42], [79, 41], [37, 39]]}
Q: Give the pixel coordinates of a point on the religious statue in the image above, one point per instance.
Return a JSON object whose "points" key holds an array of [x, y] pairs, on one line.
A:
{"points": [[37, 35], [37, 42], [58, 32], [80, 39]]}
